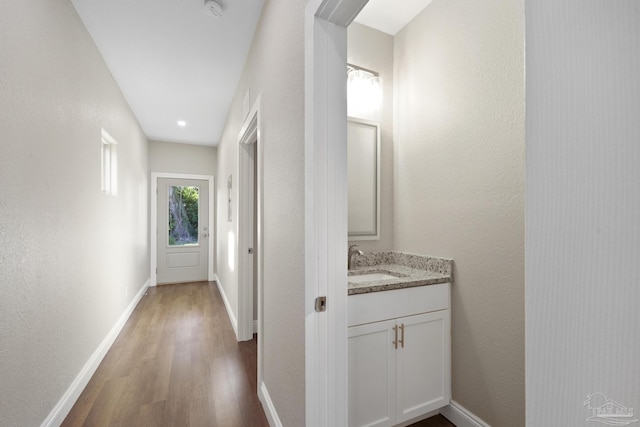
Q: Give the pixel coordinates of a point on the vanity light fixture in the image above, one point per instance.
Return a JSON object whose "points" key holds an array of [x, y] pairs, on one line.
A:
{"points": [[364, 89]]}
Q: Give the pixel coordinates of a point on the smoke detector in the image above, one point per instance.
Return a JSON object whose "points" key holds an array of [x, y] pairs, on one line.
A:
{"points": [[213, 8]]}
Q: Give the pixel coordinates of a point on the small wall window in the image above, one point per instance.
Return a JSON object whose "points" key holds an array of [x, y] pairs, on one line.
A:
{"points": [[109, 164]]}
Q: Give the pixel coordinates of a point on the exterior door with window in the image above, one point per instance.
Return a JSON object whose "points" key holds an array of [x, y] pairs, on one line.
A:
{"points": [[183, 230]]}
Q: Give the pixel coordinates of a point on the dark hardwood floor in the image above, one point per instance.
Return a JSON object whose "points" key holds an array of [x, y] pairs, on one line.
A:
{"points": [[175, 363], [437, 421]]}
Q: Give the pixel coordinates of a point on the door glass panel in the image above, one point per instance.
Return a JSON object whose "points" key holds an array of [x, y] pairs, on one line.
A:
{"points": [[183, 215]]}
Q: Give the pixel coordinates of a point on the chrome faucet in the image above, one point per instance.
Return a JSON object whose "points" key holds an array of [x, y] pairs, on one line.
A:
{"points": [[352, 252]]}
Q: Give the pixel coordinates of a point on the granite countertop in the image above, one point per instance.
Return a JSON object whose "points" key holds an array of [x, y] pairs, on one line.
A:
{"points": [[410, 270]]}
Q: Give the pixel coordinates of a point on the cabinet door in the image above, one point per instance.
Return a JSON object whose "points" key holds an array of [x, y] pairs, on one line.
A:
{"points": [[372, 375], [423, 364]]}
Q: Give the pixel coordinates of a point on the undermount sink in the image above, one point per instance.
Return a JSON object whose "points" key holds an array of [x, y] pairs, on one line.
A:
{"points": [[370, 277]]}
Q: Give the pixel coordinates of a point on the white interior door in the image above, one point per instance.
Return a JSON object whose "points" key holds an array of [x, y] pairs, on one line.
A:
{"points": [[183, 230]]}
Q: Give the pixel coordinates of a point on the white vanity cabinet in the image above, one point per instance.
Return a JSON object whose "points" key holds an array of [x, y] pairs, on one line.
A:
{"points": [[399, 367]]}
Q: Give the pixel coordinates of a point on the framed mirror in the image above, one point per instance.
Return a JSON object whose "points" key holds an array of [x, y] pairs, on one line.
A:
{"points": [[363, 141]]}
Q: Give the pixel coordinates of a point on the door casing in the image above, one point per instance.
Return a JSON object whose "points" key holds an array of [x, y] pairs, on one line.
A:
{"points": [[154, 221], [249, 145], [326, 209]]}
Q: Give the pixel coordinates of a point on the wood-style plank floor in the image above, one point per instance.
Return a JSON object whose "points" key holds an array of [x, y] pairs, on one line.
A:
{"points": [[175, 363]]}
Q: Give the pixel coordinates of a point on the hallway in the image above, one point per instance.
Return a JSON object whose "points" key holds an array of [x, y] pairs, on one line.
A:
{"points": [[175, 363]]}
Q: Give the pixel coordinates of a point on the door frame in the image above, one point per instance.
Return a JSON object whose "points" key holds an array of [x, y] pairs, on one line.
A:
{"points": [[154, 221], [249, 134], [326, 357]]}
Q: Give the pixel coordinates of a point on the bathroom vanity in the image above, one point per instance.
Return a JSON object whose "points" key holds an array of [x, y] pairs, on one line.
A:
{"points": [[399, 338]]}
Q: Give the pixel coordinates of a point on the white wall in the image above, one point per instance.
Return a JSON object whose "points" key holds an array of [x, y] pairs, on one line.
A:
{"points": [[373, 50], [275, 69], [182, 158], [71, 258], [459, 185], [583, 207]]}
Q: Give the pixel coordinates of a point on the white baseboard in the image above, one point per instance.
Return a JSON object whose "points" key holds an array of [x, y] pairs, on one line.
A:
{"points": [[69, 398], [232, 316], [269, 409], [418, 419], [461, 416]]}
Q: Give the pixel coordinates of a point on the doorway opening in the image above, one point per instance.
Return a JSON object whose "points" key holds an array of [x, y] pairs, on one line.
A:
{"points": [[182, 225], [250, 244]]}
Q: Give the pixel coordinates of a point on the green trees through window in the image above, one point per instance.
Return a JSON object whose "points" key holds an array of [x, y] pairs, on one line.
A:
{"points": [[183, 215]]}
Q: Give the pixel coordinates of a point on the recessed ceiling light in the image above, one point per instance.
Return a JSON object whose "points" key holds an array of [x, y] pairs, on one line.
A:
{"points": [[182, 123]]}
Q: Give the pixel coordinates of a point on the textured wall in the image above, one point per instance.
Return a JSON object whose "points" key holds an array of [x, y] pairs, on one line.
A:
{"points": [[275, 69], [373, 50], [459, 185], [182, 158], [583, 208], [71, 258]]}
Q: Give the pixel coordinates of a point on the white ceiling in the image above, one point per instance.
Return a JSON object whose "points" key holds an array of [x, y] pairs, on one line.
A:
{"points": [[390, 16], [174, 62]]}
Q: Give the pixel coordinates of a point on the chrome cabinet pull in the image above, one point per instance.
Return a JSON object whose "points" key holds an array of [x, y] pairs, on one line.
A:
{"points": [[401, 335]]}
